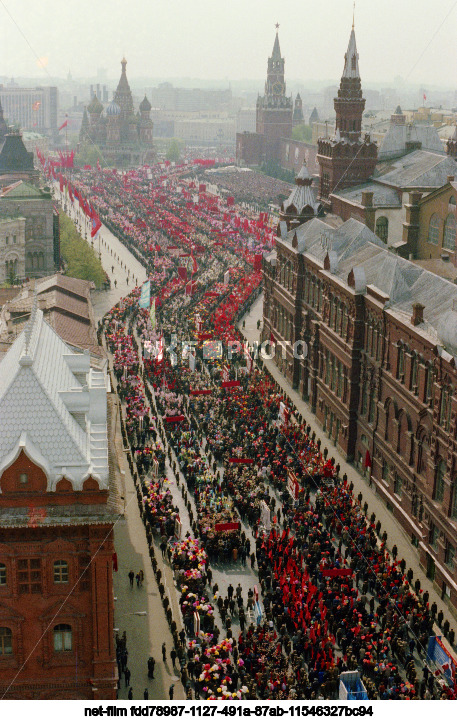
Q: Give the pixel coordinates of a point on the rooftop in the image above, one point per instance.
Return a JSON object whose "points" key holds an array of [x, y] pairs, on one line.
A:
{"points": [[53, 406], [420, 169]]}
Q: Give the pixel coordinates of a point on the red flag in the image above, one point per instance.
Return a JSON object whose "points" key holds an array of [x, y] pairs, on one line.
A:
{"points": [[64, 125]]}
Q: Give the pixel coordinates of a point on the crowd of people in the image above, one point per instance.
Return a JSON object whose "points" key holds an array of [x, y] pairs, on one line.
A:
{"points": [[331, 597]]}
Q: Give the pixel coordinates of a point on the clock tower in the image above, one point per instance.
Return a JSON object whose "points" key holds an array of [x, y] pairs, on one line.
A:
{"points": [[274, 109]]}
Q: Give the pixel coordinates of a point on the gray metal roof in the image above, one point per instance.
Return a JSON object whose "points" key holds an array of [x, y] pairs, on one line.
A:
{"points": [[394, 141], [404, 282], [383, 196], [419, 169]]}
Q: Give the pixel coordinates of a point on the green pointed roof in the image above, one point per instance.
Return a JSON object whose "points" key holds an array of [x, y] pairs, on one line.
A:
{"points": [[276, 54], [20, 190]]}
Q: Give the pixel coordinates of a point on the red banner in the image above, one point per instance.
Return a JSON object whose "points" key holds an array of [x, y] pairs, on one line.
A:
{"points": [[231, 384], [220, 527], [335, 572], [205, 392], [173, 419]]}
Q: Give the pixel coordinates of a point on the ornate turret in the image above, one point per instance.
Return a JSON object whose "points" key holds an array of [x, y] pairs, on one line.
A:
{"points": [[123, 94], [301, 204], [347, 159], [145, 124]]}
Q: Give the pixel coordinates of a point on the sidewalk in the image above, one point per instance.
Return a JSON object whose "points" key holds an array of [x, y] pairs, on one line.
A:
{"points": [[395, 534]]}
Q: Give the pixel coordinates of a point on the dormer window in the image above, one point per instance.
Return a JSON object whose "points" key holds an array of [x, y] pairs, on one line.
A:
{"points": [[23, 479]]}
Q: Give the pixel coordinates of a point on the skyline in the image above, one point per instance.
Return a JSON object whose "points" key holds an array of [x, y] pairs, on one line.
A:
{"points": [[209, 42]]}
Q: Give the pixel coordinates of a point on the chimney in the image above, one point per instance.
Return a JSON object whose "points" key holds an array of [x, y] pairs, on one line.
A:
{"points": [[367, 198], [42, 303], [418, 314], [450, 178]]}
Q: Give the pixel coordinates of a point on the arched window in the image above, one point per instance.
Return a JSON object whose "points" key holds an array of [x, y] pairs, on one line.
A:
{"points": [[60, 572], [434, 229], [40, 261], [414, 366], [439, 483], [28, 262], [6, 641], [450, 228], [382, 228], [63, 637], [364, 399], [2, 574], [371, 406]]}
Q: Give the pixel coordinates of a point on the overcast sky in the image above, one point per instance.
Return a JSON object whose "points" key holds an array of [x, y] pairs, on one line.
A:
{"points": [[230, 38]]}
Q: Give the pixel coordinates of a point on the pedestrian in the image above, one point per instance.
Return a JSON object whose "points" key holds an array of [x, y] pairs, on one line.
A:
{"points": [[130, 694], [151, 665], [173, 655], [127, 676], [230, 591], [394, 552], [171, 692], [164, 652], [131, 577], [137, 580], [145, 694]]}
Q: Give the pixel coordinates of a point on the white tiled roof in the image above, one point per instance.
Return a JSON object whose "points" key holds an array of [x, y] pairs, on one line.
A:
{"points": [[38, 393]]}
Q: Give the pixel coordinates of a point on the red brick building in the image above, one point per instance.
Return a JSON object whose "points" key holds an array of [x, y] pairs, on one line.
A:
{"points": [[379, 373], [346, 159], [56, 516]]}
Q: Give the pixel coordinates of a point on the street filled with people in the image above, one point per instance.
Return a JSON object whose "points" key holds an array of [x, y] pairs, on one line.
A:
{"points": [[204, 420]]}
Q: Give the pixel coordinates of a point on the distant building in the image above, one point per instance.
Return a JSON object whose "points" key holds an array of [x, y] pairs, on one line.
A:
{"points": [[56, 519], [123, 137], [297, 118], [31, 108], [274, 117], [29, 236], [167, 97]]}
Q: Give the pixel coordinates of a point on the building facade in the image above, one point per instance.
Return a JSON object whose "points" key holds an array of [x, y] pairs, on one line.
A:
{"points": [[31, 108], [379, 371], [32, 209], [56, 544]]}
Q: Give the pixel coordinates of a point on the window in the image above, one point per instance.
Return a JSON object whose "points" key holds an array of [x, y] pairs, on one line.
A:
{"points": [[14, 240], [29, 575], [434, 229], [450, 228], [453, 509], [382, 229], [429, 385], [449, 555], [2, 574], [414, 364], [445, 410], [434, 535], [439, 485], [62, 637], [6, 641], [364, 399], [398, 483], [7, 240], [385, 471], [371, 407], [344, 321], [60, 572], [23, 478], [401, 363]]}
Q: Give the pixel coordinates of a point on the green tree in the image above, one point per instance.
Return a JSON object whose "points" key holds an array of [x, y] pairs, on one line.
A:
{"points": [[274, 170], [174, 150], [80, 258], [302, 132], [88, 154]]}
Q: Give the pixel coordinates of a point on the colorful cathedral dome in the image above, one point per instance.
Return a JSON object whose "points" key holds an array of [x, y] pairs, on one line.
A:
{"points": [[113, 109], [145, 105]]}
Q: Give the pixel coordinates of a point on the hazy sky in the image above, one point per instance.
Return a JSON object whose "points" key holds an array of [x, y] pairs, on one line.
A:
{"points": [[230, 38]]}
